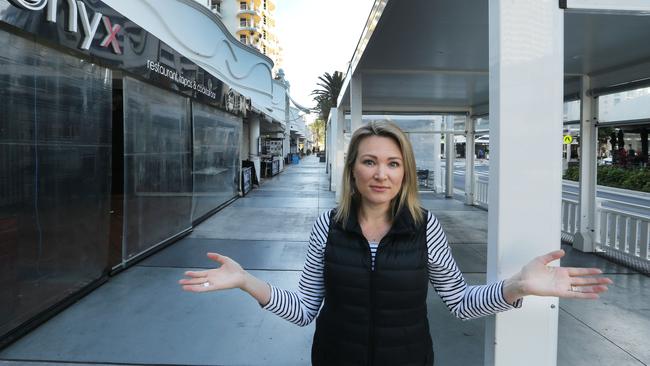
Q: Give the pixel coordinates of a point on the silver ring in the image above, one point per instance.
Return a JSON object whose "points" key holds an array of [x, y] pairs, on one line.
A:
{"points": [[206, 284]]}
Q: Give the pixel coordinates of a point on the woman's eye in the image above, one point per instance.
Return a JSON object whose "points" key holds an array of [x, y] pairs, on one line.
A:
{"points": [[368, 162], [393, 164]]}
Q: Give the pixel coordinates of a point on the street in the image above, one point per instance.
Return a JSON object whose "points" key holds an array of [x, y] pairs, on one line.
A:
{"points": [[625, 200]]}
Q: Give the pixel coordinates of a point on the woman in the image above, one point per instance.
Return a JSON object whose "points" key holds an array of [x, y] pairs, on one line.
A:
{"points": [[370, 260]]}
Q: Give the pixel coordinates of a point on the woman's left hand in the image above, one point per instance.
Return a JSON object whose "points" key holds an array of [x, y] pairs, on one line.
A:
{"points": [[540, 279]]}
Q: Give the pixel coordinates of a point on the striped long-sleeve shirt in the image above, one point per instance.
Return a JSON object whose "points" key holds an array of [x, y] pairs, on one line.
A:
{"points": [[464, 301]]}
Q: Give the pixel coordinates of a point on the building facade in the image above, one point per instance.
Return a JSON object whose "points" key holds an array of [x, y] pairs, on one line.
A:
{"points": [[252, 22], [116, 139]]}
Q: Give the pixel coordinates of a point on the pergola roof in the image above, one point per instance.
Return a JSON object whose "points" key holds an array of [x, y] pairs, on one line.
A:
{"points": [[432, 56]]}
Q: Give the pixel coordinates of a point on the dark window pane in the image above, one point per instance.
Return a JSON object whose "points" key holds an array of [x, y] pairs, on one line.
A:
{"points": [[157, 158], [216, 158], [55, 161]]}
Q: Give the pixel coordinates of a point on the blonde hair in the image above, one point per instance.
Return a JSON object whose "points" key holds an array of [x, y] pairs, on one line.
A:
{"points": [[407, 197]]}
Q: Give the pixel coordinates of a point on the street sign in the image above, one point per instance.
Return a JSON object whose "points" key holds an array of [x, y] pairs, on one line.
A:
{"points": [[568, 139]]}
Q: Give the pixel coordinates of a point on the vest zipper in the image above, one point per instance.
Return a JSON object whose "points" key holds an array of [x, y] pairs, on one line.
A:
{"points": [[371, 327]]}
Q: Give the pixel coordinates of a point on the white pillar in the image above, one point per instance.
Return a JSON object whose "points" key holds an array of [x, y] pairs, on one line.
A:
{"points": [[356, 104], [585, 237], [331, 147], [469, 160], [450, 154], [437, 167], [328, 138], [338, 123], [526, 96], [254, 136]]}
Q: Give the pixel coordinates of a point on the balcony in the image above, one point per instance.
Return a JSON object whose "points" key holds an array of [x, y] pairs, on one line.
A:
{"points": [[249, 27], [250, 12]]}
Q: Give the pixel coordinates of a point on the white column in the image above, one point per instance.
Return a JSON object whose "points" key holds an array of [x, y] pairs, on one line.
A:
{"points": [[526, 96], [332, 148], [450, 154], [469, 160], [254, 136], [338, 123], [328, 138], [437, 167], [584, 238], [356, 104]]}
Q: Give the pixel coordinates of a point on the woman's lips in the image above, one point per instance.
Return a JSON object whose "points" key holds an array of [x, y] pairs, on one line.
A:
{"points": [[379, 188]]}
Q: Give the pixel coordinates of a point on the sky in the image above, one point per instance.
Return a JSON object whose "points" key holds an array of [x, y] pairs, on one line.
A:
{"points": [[317, 37]]}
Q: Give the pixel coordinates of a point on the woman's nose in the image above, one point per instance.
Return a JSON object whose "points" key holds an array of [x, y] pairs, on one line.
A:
{"points": [[380, 173]]}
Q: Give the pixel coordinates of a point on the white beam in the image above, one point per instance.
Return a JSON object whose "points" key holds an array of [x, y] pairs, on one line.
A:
{"points": [[254, 141], [426, 71], [584, 238], [469, 160], [450, 154], [338, 124], [610, 6], [526, 56], [356, 103], [437, 167]]}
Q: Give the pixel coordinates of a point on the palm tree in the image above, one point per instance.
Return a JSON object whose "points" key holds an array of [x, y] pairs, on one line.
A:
{"points": [[325, 96]]}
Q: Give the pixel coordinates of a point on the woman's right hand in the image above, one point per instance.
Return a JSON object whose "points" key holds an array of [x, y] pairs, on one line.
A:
{"points": [[228, 275]]}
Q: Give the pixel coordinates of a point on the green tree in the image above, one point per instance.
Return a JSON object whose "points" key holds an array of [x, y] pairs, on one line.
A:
{"points": [[326, 95], [318, 132]]}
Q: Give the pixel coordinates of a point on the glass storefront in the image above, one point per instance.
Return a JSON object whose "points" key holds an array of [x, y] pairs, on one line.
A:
{"points": [[55, 158], [216, 158], [157, 166]]}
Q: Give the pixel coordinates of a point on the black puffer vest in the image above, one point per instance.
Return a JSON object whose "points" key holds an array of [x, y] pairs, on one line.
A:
{"points": [[379, 317]]}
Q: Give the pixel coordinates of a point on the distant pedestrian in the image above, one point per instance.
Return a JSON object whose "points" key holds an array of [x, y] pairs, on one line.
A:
{"points": [[370, 261]]}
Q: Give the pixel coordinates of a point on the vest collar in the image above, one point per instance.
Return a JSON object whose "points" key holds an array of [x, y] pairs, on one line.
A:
{"points": [[403, 222]]}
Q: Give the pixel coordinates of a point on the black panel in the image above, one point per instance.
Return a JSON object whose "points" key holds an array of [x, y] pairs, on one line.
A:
{"points": [[216, 158], [55, 161], [157, 158]]}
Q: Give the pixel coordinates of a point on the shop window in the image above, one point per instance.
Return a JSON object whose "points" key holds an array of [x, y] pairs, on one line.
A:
{"points": [[55, 181], [215, 171], [157, 166]]}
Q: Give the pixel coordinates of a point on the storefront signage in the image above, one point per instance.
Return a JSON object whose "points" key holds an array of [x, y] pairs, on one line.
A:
{"points": [[112, 40], [180, 79], [89, 26]]}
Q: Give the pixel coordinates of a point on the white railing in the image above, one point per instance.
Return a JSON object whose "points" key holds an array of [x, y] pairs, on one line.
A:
{"points": [[620, 233], [481, 192], [623, 235], [570, 219]]}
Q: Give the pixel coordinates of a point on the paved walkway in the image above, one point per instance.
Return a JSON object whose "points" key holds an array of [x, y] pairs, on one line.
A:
{"points": [[142, 317]]}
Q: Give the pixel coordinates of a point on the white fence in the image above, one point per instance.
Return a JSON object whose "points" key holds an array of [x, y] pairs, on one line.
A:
{"points": [[481, 192], [620, 233], [623, 235], [570, 219]]}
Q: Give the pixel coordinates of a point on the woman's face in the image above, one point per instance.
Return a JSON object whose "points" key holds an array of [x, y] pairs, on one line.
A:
{"points": [[379, 170]]}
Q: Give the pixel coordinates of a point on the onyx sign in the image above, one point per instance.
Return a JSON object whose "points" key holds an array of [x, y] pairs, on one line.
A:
{"points": [[77, 7]]}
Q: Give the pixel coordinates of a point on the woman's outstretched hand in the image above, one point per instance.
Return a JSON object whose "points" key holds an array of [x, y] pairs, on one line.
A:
{"points": [[228, 275], [540, 279]]}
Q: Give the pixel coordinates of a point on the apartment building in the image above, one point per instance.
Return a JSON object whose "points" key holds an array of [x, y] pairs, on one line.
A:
{"points": [[252, 22]]}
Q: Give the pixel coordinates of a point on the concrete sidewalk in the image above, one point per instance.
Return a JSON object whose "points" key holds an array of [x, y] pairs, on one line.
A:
{"points": [[142, 317]]}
